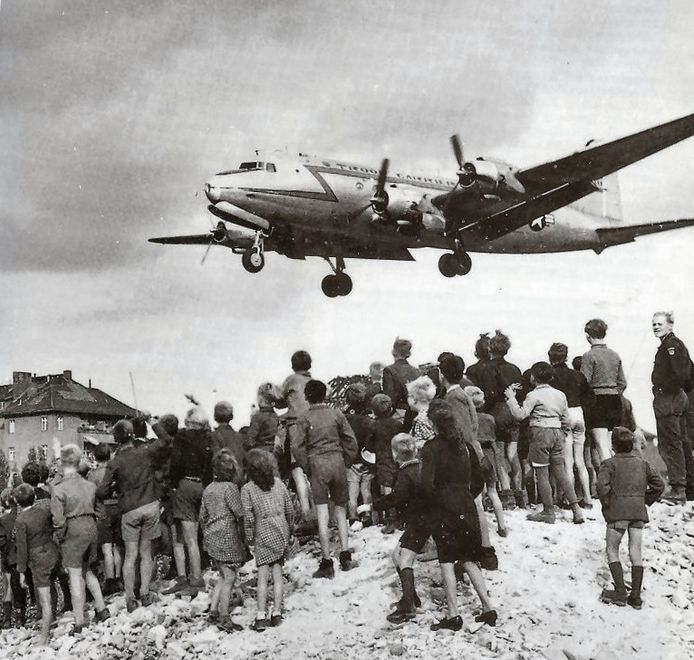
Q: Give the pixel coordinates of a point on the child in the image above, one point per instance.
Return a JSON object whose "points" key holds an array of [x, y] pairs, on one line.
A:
{"points": [[107, 523], [267, 512], [264, 423], [407, 497], [8, 554], [421, 393], [626, 485], [34, 474], [225, 436], [74, 524], [36, 550], [221, 513], [360, 474], [548, 413], [385, 429], [486, 434], [325, 445]]}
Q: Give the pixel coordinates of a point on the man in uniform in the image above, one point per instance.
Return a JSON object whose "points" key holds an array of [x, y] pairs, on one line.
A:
{"points": [[671, 377]]}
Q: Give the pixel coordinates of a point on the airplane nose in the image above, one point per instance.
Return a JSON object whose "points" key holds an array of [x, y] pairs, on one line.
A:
{"points": [[212, 192]]}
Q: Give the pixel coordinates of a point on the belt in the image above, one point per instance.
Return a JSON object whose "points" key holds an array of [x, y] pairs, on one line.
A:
{"points": [[82, 515], [196, 479], [670, 391]]}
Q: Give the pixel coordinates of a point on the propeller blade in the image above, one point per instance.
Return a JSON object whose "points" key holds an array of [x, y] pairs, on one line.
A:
{"points": [[382, 176], [457, 149], [207, 251]]}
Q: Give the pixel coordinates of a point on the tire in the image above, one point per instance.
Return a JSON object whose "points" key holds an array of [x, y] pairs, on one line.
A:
{"points": [[344, 283], [253, 261], [448, 265], [330, 286], [463, 263]]}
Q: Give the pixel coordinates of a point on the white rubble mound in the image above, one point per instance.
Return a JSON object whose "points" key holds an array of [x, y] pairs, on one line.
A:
{"points": [[546, 591]]}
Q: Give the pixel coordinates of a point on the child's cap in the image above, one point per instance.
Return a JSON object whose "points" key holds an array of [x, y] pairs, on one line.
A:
{"points": [[355, 394], [223, 412], [196, 419], [381, 404], [368, 456], [476, 394], [24, 495]]}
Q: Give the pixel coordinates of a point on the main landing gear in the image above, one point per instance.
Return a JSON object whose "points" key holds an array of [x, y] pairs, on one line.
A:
{"points": [[456, 263], [253, 259], [339, 283]]}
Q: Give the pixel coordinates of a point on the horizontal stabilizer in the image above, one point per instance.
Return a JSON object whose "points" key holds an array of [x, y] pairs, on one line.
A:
{"points": [[617, 235]]}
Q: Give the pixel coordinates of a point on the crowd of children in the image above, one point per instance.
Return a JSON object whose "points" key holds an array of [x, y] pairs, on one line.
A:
{"points": [[425, 453]]}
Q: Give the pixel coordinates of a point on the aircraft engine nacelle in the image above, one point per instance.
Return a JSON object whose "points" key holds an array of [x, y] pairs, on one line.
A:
{"points": [[487, 175], [403, 205]]}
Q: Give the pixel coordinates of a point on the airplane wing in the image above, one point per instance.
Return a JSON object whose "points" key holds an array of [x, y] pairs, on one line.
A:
{"points": [[557, 183], [193, 239], [617, 235]]}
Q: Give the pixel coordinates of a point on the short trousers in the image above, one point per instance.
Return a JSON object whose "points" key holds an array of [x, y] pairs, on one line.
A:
{"points": [[507, 427], [546, 446], [328, 477], [490, 455], [385, 473], [577, 432], [358, 474], [187, 500], [605, 413], [456, 541], [415, 536], [108, 528], [141, 523], [79, 547], [626, 524], [44, 562]]}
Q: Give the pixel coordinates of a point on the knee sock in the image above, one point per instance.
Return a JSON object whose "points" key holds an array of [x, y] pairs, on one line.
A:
{"points": [[408, 593], [636, 580], [617, 577]]}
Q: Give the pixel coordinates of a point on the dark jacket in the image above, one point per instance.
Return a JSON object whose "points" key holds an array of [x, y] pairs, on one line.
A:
{"points": [[34, 528], [626, 484], [574, 385], [395, 379], [132, 474], [446, 482], [225, 437], [407, 495], [498, 375], [263, 428], [385, 428], [672, 366], [364, 429], [8, 547], [191, 456], [323, 430]]}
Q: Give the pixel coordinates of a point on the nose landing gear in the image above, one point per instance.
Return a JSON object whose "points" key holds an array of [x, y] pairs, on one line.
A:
{"points": [[339, 283], [253, 259], [457, 263]]}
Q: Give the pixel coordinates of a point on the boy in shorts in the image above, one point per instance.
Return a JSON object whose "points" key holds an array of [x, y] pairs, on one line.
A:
{"points": [[407, 497], [626, 485], [325, 446], [36, 550], [547, 411]]}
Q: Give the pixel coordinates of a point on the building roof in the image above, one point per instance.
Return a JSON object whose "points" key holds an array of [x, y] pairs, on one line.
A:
{"points": [[61, 394], [5, 392]]}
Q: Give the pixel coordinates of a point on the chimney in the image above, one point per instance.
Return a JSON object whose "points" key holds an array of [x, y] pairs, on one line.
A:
{"points": [[90, 383], [20, 382], [67, 375]]}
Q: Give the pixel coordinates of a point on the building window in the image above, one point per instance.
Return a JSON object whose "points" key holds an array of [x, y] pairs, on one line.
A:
{"points": [[44, 452], [59, 422], [2, 405], [44, 423], [11, 454], [11, 424]]}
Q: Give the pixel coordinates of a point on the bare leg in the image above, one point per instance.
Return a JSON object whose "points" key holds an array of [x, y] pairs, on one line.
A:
{"points": [[569, 460], [302, 491], [190, 539], [92, 583], [544, 489], [477, 579], [117, 562], [499, 450], [109, 564], [77, 591], [497, 506], [514, 462], [323, 515], [601, 438], [635, 538], [278, 588], [146, 565], [353, 487], [131, 550], [179, 551], [613, 540], [449, 582], [227, 582], [214, 598], [484, 525], [263, 574], [46, 613], [588, 461], [342, 528], [581, 470], [559, 474]]}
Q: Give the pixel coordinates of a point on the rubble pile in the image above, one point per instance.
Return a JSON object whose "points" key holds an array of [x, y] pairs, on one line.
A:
{"points": [[546, 591]]}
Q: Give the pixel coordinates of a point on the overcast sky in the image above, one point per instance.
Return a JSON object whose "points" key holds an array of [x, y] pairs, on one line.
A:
{"points": [[113, 114]]}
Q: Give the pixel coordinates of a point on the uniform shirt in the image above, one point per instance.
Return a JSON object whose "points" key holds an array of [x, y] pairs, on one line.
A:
{"points": [[603, 370], [73, 497], [545, 407], [33, 528], [323, 430], [293, 393], [395, 379], [671, 368], [574, 385]]}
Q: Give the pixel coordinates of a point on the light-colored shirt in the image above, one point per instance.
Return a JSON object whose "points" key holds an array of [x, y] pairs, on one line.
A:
{"points": [[544, 406], [603, 370]]}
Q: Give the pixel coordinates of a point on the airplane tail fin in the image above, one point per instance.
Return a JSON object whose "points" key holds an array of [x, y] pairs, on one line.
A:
{"points": [[606, 203]]}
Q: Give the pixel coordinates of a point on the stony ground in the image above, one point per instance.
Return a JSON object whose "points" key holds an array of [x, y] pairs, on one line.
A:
{"points": [[547, 591]]}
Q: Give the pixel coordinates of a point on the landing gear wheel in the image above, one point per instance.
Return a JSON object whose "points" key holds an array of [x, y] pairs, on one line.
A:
{"points": [[331, 286], [344, 284], [448, 265], [463, 263], [253, 260]]}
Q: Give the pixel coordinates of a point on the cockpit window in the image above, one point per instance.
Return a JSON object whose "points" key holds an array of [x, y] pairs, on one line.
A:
{"points": [[251, 166], [270, 167]]}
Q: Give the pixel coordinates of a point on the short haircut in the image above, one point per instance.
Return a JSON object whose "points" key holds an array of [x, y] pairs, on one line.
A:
{"points": [[123, 431], [315, 391], [577, 362], [260, 467], [402, 348], [596, 328], [196, 419], [476, 394], [376, 369], [499, 344], [421, 390], [139, 427], [102, 452], [225, 467], [382, 405], [70, 455], [403, 447], [301, 361], [542, 372], [558, 353], [31, 474], [169, 423], [268, 394], [444, 355], [668, 316], [452, 368], [622, 440], [355, 395], [482, 346], [223, 412], [24, 494], [7, 498]]}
